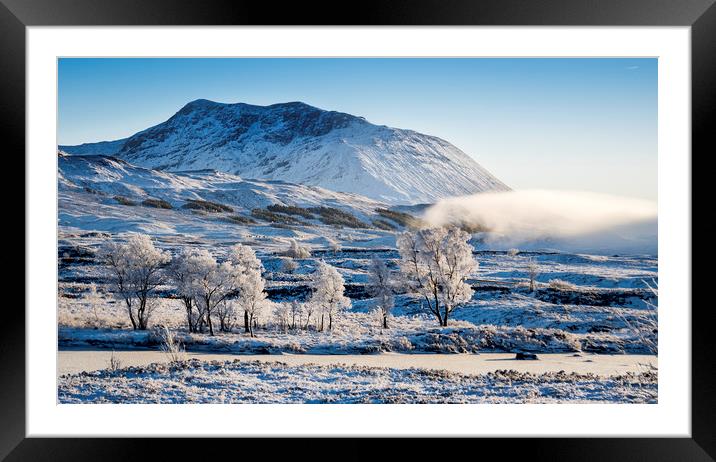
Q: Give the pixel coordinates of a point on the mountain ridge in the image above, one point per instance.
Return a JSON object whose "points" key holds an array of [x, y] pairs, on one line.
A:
{"points": [[300, 143]]}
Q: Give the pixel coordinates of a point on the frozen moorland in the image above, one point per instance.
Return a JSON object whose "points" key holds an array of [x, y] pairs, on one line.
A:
{"points": [[580, 303], [538, 298], [258, 382]]}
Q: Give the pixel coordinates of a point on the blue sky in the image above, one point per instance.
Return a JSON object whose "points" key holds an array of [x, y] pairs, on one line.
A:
{"points": [[582, 123]]}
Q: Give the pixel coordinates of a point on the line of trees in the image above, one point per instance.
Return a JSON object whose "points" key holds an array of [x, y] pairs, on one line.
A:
{"points": [[211, 289], [434, 264]]}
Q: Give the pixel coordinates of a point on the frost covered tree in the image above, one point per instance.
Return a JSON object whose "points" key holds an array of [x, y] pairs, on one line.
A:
{"points": [[296, 250], [435, 263], [381, 287], [252, 297], [226, 312], [93, 300], [135, 272], [532, 273], [183, 273], [213, 282], [308, 309], [328, 290], [296, 312], [282, 315]]}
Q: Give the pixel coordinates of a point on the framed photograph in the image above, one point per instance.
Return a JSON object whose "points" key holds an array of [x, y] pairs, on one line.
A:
{"points": [[417, 220]]}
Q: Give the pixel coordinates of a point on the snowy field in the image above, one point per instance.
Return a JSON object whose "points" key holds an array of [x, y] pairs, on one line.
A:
{"points": [[596, 311], [588, 307], [261, 382]]}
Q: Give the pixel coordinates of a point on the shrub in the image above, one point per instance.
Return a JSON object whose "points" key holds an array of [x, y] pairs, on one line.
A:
{"points": [[171, 345], [241, 220], [337, 217], [272, 217], [403, 344], [384, 225], [157, 203], [124, 200], [288, 265], [206, 206], [333, 245], [291, 210], [559, 284], [296, 250], [403, 219], [93, 191], [114, 363]]}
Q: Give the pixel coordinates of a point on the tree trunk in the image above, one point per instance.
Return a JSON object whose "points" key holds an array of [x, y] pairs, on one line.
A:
{"points": [[440, 318], [208, 318], [437, 309], [330, 321], [320, 329], [131, 314], [141, 318], [385, 321], [246, 322], [189, 322]]}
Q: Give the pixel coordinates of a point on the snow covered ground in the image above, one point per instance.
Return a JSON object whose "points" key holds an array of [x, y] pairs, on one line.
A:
{"points": [[582, 304], [597, 313], [260, 382]]}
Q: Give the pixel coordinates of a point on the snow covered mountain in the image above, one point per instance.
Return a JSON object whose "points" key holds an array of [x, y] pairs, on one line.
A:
{"points": [[299, 143]]}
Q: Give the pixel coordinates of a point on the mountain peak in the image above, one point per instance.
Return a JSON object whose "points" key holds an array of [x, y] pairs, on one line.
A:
{"points": [[299, 143], [293, 105], [197, 104], [202, 103]]}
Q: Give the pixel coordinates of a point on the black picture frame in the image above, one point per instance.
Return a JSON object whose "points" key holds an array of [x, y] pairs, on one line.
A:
{"points": [[700, 15]]}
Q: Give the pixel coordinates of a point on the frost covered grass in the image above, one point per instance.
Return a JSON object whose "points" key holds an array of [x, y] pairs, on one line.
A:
{"points": [[236, 381], [491, 322], [604, 305]]}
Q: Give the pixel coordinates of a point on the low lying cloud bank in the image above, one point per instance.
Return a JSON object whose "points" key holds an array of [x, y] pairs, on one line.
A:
{"points": [[573, 221]]}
